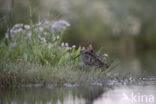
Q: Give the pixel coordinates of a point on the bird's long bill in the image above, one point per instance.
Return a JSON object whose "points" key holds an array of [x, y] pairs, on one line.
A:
{"points": [[76, 56]]}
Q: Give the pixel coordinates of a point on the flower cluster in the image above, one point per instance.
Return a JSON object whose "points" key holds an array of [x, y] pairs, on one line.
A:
{"points": [[43, 30], [40, 42], [67, 47], [59, 25], [18, 28]]}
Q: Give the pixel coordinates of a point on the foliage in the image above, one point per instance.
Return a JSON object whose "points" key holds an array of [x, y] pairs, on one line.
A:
{"points": [[39, 42]]}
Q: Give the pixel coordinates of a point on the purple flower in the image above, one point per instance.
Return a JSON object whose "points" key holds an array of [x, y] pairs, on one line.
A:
{"points": [[46, 22], [41, 29], [55, 27], [27, 27], [15, 31], [19, 30], [29, 34], [59, 25], [67, 48], [6, 35], [62, 22], [66, 44], [57, 37], [11, 31]]}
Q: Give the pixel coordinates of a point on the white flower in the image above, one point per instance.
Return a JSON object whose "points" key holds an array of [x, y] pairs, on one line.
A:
{"points": [[29, 34], [106, 55], [62, 44], [66, 44], [73, 46], [27, 27]]}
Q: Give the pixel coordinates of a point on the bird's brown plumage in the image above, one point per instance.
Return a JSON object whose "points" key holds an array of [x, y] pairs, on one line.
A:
{"points": [[89, 58]]}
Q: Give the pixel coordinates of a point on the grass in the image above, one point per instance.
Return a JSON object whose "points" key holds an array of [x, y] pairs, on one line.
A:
{"points": [[22, 73], [25, 73]]}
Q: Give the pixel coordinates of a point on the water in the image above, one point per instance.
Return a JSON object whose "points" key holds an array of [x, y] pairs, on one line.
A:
{"points": [[134, 94], [139, 63]]}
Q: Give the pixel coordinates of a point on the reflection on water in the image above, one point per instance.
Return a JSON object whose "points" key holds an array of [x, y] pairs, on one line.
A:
{"points": [[134, 94], [142, 63], [129, 95]]}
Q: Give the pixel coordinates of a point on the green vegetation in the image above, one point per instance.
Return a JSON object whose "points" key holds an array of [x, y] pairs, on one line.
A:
{"points": [[18, 73], [35, 53], [39, 43]]}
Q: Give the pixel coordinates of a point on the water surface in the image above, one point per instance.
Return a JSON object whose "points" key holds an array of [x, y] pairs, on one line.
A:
{"points": [[144, 93]]}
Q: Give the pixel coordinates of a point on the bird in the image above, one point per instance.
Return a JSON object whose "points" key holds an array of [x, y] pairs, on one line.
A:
{"points": [[89, 58]]}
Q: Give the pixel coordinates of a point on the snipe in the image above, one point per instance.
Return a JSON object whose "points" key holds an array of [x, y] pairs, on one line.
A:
{"points": [[89, 58]]}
